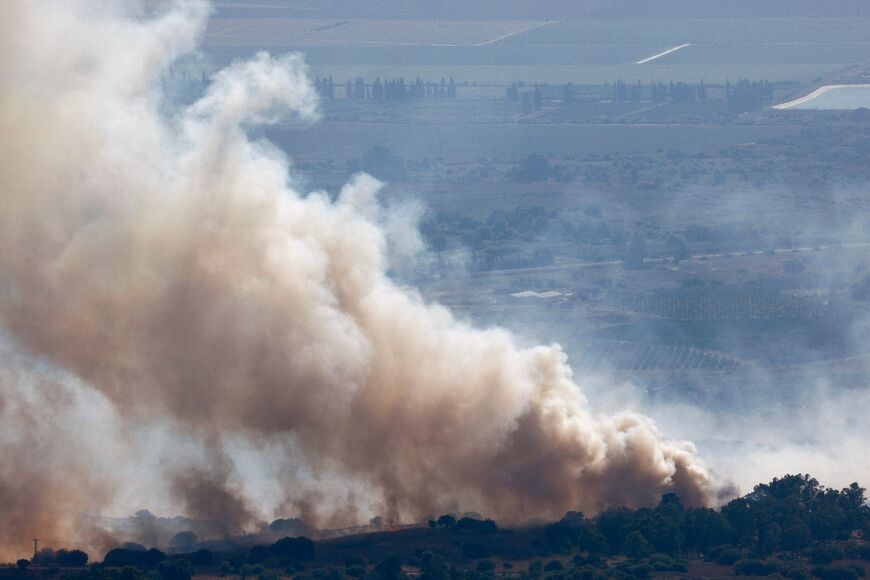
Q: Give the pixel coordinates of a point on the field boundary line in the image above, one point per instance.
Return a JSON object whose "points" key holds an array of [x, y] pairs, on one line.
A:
{"points": [[507, 35], [661, 54]]}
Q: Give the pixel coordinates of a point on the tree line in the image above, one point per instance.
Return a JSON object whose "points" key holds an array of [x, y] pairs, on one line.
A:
{"points": [[394, 89], [791, 527]]}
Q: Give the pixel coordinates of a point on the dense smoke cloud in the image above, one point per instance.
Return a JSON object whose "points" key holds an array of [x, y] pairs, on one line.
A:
{"points": [[158, 259]]}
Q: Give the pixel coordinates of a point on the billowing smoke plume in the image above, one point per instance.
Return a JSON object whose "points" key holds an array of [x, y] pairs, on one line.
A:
{"points": [[160, 275]]}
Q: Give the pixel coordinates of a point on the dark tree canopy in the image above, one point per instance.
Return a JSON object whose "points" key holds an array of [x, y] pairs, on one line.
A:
{"points": [[299, 548]]}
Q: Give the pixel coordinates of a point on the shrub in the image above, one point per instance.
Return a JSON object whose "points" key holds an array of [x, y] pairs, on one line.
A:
{"points": [[755, 567], [66, 558], [120, 557], [639, 570], [636, 545], [553, 566], [300, 548], [473, 526], [588, 573], [258, 554], [475, 551], [201, 558], [835, 572], [796, 571], [389, 568], [174, 569], [486, 566], [725, 555], [821, 556]]}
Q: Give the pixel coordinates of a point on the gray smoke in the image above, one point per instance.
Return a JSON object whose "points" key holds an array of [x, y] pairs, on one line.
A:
{"points": [[155, 261]]}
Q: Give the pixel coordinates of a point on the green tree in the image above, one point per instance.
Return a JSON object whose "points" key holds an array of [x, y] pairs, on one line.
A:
{"points": [[446, 521], [434, 567], [637, 546], [226, 569], [533, 168]]}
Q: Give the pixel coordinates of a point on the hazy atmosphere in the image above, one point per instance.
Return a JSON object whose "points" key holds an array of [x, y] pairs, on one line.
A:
{"points": [[451, 290]]}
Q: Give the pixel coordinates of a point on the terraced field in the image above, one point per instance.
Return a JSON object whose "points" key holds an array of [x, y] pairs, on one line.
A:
{"points": [[625, 355], [733, 306]]}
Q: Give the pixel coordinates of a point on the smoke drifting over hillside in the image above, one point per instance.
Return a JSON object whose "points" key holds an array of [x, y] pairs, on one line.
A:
{"points": [[176, 313]]}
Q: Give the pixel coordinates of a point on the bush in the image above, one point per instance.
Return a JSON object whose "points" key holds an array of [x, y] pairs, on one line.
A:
{"points": [[639, 570], [389, 568], [725, 555], [533, 168], [258, 554], [821, 557], [446, 521], [755, 567], [794, 266], [174, 569], [473, 526], [475, 551], [65, 558], [300, 548], [200, 558], [636, 545], [536, 567], [120, 557], [836, 572], [588, 573], [796, 571], [125, 573], [486, 566], [553, 566]]}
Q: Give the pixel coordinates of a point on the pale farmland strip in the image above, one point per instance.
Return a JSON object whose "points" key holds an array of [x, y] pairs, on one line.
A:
{"points": [[661, 54]]}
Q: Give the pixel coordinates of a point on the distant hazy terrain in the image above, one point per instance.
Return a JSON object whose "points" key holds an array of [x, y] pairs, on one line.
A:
{"points": [[520, 9], [567, 135]]}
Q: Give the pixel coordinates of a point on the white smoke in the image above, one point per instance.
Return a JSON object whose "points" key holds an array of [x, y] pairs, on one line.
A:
{"points": [[162, 262]]}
